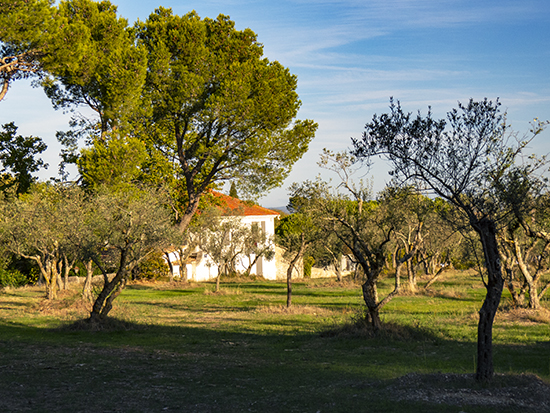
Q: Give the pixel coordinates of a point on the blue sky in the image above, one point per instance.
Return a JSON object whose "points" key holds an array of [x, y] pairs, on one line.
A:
{"points": [[350, 56]]}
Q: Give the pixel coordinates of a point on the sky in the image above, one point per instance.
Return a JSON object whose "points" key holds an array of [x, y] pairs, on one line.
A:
{"points": [[351, 56]]}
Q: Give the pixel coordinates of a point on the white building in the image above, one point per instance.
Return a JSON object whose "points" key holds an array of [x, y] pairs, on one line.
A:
{"points": [[201, 267]]}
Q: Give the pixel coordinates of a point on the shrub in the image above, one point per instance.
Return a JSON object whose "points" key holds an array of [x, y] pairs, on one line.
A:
{"points": [[308, 264], [12, 278], [152, 268]]}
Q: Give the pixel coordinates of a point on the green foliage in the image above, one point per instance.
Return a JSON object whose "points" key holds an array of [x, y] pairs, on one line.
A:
{"points": [[103, 69], [23, 39], [152, 268], [12, 278], [34, 226], [125, 228], [209, 105], [114, 161], [308, 265], [217, 107], [17, 158]]}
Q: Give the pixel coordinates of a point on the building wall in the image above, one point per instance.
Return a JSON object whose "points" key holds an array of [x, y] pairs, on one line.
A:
{"points": [[205, 269]]}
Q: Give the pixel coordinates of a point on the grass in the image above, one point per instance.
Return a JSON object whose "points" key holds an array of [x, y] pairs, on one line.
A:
{"points": [[182, 347]]}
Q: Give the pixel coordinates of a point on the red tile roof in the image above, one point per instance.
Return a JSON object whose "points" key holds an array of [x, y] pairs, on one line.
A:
{"points": [[235, 204]]}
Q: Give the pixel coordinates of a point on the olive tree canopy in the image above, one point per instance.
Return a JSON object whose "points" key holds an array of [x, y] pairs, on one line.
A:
{"points": [[464, 159]]}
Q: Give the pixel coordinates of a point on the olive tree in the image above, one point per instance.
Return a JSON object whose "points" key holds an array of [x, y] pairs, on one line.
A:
{"points": [[463, 164], [126, 228], [364, 225], [296, 233], [35, 226]]}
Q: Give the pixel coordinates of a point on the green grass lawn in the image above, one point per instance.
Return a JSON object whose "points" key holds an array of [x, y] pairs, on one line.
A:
{"points": [[183, 348]]}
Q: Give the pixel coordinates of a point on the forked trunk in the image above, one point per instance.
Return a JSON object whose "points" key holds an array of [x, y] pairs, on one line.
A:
{"points": [[51, 287], [52, 279], [530, 279], [411, 272], [111, 289]]}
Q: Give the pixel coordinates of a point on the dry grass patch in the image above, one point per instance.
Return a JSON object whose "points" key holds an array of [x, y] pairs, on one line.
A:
{"points": [[447, 292], [347, 282], [295, 310], [523, 316]]}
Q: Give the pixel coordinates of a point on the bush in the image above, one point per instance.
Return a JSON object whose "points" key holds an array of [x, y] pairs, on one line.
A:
{"points": [[153, 268], [308, 264], [12, 278]]}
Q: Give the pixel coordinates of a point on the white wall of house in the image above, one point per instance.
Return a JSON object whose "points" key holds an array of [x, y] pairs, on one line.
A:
{"points": [[263, 267], [203, 268]]}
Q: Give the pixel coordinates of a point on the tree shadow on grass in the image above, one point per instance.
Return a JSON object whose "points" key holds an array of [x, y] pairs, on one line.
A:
{"points": [[126, 366]]}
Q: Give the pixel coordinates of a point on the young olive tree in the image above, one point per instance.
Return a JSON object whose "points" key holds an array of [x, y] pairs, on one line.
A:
{"points": [[257, 244], [526, 242], [296, 233], [223, 239], [463, 164], [365, 226], [410, 210]]}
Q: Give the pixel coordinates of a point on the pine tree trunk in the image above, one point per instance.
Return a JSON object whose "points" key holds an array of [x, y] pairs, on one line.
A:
{"points": [[189, 211]]}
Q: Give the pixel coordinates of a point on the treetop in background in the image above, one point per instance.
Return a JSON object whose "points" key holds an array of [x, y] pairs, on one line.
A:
{"points": [[199, 93]]}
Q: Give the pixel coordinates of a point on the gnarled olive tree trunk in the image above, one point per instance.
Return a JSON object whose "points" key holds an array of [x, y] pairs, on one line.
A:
{"points": [[494, 284], [111, 289]]}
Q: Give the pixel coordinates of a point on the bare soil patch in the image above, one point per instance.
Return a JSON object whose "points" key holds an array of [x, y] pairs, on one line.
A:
{"points": [[524, 392]]}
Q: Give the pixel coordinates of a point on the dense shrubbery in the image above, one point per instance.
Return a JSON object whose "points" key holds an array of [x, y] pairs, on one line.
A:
{"points": [[12, 278]]}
